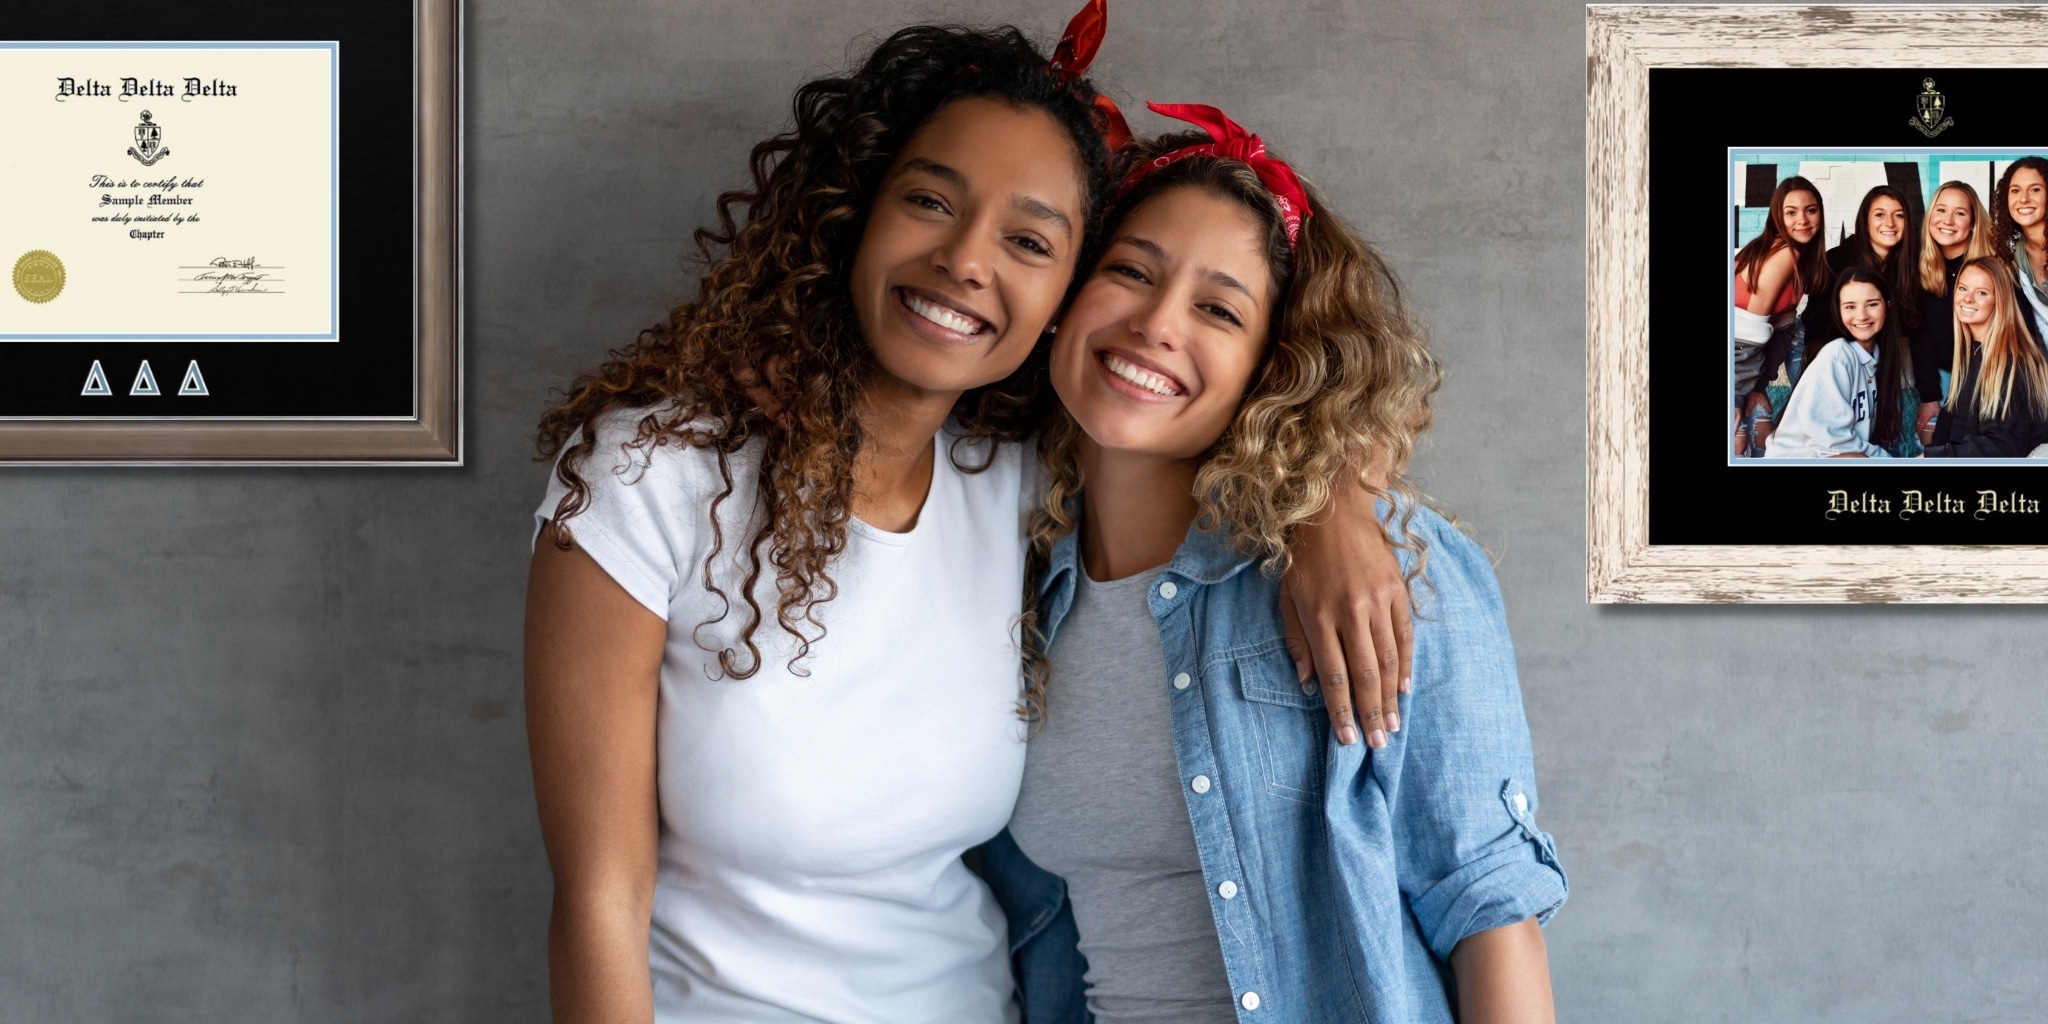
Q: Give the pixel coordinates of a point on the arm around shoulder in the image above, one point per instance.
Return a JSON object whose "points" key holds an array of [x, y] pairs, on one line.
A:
{"points": [[593, 663]]}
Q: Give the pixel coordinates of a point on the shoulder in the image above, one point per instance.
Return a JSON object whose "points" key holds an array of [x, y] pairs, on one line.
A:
{"points": [[650, 448], [1457, 578], [1835, 358], [1778, 260], [641, 469]]}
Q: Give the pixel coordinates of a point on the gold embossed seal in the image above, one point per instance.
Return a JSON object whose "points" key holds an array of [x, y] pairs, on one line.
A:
{"points": [[38, 276]]}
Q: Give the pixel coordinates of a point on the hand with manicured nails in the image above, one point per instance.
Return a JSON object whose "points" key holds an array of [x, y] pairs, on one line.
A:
{"points": [[1345, 606]]}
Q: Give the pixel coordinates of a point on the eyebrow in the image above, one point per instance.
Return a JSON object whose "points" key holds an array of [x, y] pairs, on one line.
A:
{"points": [[1034, 208], [936, 170], [1152, 249], [1026, 205]]}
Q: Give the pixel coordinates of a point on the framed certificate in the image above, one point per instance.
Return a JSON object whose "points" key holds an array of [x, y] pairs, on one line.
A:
{"points": [[1798, 453], [233, 235]]}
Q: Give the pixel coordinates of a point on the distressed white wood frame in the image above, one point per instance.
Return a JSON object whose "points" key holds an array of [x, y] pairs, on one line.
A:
{"points": [[1622, 44]]}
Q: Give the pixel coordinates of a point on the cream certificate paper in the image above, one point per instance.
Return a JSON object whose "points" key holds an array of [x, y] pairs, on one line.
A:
{"points": [[169, 191]]}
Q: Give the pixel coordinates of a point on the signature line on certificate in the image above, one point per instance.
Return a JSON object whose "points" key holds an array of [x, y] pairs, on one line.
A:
{"points": [[230, 276]]}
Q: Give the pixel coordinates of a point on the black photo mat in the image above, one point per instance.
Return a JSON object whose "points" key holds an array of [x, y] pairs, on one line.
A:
{"points": [[1697, 115], [369, 371]]}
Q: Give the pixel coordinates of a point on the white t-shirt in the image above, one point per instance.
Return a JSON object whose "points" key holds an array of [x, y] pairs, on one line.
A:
{"points": [[812, 826]]}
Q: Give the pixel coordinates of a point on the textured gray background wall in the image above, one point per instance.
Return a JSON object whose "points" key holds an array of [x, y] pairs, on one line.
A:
{"points": [[261, 752]]}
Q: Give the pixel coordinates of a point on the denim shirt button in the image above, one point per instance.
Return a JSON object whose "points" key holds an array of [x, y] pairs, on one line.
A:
{"points": [[1250, 1001], [1181, 681], [1167, 590], [1199, 784], [1227, 890], [1308, 686]]}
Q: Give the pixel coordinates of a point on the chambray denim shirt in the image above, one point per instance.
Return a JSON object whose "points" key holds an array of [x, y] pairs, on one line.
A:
{"points": [[1340, 877]]}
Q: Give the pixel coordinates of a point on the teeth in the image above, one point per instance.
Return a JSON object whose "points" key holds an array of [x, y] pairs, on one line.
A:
{"points": [[941, 315], [1139, 376]]}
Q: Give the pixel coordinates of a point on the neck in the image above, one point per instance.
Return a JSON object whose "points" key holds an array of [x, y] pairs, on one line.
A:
{"points": [[1869, 344], [1135, 510], [2036, 234], [893, 470], [1956, 251], [1879, 252]]}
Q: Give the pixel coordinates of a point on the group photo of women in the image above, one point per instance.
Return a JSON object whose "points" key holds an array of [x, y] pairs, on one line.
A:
{"points": [[998, 594], [1912, 328]]}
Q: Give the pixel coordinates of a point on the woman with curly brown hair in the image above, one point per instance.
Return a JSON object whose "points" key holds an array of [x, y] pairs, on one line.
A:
{"points": [[1217, 852], [756, 815]]}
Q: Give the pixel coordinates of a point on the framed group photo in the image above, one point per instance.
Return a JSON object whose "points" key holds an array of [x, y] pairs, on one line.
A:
{"points": [[233, 233], [1816, 301]]}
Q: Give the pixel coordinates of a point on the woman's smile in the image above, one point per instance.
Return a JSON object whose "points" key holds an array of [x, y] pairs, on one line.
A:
{"points": [[2025, 195], [1887, 224], [941, 319], [1801, 215], [1139, 379]]}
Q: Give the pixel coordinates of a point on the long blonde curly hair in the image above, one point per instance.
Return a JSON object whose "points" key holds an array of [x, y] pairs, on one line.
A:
{"points": [[1342, 390]]}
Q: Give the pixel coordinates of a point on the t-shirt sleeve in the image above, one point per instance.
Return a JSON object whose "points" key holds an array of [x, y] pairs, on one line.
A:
{"points": [[640, 519]]}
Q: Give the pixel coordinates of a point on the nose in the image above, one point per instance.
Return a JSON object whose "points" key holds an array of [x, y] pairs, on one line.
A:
{"points": [[1159, 323], [966, 255]]}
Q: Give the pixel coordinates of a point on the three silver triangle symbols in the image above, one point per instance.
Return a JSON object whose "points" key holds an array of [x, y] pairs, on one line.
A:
{"points": [[193, 386]]}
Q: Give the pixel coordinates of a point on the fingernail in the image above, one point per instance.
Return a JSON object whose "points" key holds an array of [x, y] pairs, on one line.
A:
{"points": [[1377, 740], [1393, 722], [1347, 735], [1301, 672], [1407, 685]]}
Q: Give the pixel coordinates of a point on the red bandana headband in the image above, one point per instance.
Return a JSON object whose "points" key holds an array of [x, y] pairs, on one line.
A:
{"points": [[1232, 142], [1071, 58]]}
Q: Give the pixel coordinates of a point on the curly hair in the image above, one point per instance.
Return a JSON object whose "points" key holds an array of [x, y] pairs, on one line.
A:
{"points": [[2004, 229], [1343, 388], [773, 316]]}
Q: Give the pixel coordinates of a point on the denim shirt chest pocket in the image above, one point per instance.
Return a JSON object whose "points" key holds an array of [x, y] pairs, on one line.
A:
{"points": [[1287, 722]]}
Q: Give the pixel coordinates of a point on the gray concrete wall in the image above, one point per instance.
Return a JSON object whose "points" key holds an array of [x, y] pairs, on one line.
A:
{"points": [[261, 754]]}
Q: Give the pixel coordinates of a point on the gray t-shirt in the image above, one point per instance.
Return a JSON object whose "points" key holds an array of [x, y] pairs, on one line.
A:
{"points": [[1102, 806]]}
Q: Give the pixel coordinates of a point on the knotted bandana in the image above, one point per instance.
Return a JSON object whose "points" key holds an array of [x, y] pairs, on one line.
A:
{"points": [[1232, 142], [1071, 58]]}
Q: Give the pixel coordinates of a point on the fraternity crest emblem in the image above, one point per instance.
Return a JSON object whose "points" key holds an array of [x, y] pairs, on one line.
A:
{"points": [[149, 142], [1932, 106]]}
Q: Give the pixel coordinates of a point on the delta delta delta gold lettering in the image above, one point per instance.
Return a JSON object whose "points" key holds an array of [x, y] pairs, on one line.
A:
{"points": [[1910, 503]]}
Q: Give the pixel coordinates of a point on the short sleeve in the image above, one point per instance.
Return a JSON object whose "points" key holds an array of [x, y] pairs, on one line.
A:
{"points": [[642, 516]]}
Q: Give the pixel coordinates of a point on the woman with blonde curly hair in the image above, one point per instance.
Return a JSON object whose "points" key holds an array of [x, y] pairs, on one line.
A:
{"points": [[772, 685], [1190, 842]]}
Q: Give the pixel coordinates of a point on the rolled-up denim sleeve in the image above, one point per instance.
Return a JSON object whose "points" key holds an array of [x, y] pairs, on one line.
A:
{"points": [[1461, 788]]}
